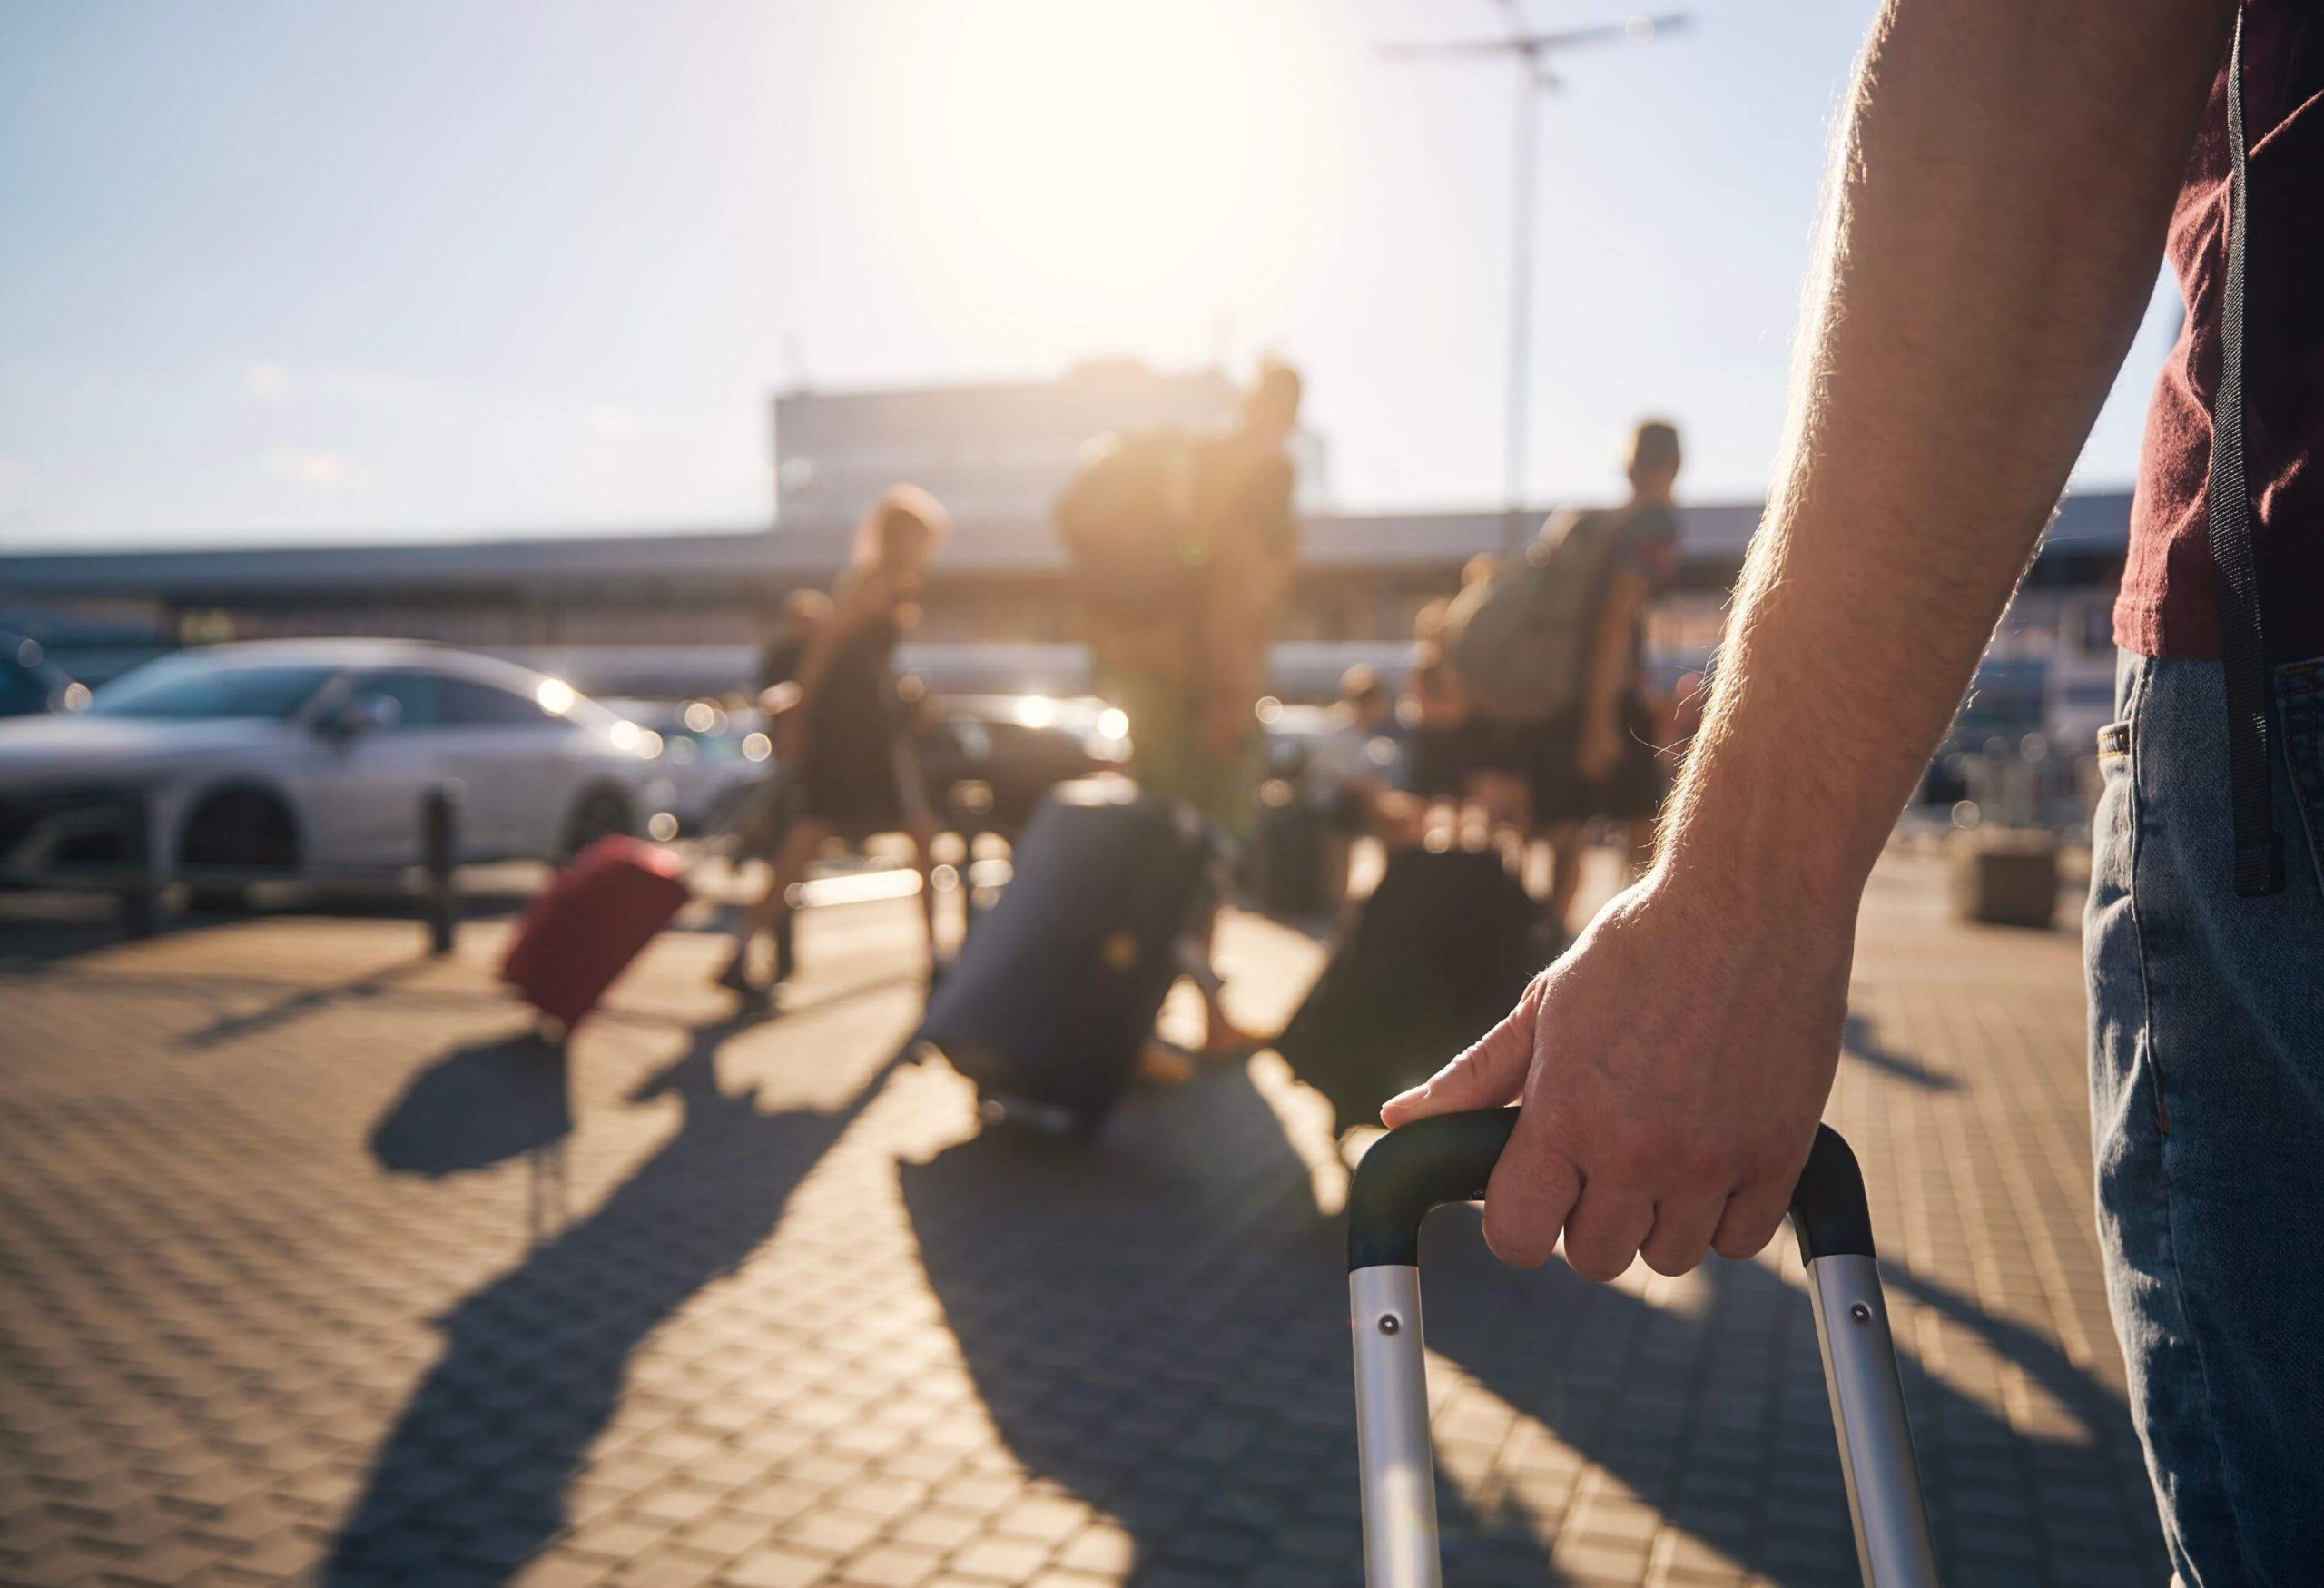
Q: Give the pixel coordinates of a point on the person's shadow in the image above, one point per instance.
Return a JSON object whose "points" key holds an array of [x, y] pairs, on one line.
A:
{"points": [[470, 1482], [1157, 1323]]}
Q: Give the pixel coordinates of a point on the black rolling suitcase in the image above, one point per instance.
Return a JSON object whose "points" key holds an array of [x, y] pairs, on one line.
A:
{"points": [[1289, 847], [1054, 995], [1441, 952], [1450, 1158]]}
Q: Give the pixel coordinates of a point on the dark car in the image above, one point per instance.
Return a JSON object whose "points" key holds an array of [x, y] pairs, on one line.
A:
{"points": [[989, 758], [31, 683]]}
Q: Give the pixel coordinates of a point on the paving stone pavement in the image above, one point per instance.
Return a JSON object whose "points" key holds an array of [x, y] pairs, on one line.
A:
{"points": [[311, 1271]]}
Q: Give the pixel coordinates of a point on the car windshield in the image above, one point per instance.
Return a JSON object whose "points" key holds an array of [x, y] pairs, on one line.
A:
{"points": [[188, 690]]}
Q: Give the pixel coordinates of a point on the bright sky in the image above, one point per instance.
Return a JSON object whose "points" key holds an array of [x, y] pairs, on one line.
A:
{"points": [[293, 271]]}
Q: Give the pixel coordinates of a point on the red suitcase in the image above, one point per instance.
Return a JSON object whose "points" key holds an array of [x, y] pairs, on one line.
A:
{"points": [[596, 917]]}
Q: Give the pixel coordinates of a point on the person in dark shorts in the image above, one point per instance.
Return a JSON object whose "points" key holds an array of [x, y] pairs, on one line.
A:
{"points": [[855, 769], [1598, 763], [782, 660], [1434, 713]]}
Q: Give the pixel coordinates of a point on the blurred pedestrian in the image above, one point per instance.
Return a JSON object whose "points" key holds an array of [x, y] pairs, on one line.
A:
{"points": [[1434, 715], [765, 815], [1185, 550], [856, 769], [806, 615], [1598, 761], [1351, 766]]}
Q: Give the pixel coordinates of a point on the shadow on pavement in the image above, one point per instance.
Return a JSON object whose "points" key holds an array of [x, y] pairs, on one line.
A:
{"points": [[1713, 1411], [470, 1482], [1155, 1322], [477, 1105], [1860, 1040], [297, 1006]]}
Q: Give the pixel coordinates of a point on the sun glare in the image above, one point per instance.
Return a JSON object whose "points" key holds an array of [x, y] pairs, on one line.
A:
{"points": [[1105, 143]]}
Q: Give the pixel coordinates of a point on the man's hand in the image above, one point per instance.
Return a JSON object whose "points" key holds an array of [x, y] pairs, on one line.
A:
{"points": [[1672, 1067]]}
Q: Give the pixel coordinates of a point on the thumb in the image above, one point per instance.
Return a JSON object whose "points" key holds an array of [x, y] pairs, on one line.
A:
{"points": [[1490, 1074]]}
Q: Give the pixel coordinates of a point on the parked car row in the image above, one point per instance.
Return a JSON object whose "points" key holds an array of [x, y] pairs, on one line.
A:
{"points": [[312, 759]]}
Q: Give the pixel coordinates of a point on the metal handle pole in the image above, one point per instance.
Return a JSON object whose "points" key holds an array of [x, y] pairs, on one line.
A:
{"points": [[1833, 1223], [1393, 1450], [1450, 1158]]}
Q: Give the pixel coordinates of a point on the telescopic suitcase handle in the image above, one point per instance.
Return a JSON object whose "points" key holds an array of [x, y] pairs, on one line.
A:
{"points": [[1449, 1158]]}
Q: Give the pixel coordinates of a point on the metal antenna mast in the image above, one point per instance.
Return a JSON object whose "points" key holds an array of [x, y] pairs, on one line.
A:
{"points": [[1530, 50]]}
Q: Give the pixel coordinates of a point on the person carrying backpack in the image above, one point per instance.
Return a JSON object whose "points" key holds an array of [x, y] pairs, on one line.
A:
{"points": [[1549, 650]]}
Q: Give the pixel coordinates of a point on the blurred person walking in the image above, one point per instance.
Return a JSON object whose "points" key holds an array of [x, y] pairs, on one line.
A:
{"points": [[765, 815], [856, 770], [1433, 712], [1186, 551], [1548, 649], [1989, 247], [1598, 762], [806, 615], [1350, 774]]}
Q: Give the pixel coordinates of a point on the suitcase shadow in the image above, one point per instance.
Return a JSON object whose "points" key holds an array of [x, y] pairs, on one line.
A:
{"points": [[1155, 1324], [470, 1482], [479, 1105]]}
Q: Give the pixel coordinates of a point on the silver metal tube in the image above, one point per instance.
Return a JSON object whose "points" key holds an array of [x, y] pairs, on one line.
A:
{"points": [[1392, 1428], [1892, 1541]]}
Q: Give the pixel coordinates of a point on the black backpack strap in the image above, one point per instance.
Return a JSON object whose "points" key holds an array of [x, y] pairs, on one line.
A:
{"points": [[2243, 649]]}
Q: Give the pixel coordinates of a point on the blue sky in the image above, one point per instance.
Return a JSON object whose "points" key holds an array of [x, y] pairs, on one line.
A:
{"points": [[285, 271]]}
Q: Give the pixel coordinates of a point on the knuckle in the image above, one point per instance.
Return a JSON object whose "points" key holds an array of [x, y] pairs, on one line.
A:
{"points": [[1699, 1160], [1744, 1240], [1599, 1266], [1518, 1248], [1671, 1261], [1636, 1158]]}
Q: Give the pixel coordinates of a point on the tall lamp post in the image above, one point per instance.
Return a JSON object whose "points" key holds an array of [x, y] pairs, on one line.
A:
{"points": [[1530, 50]]}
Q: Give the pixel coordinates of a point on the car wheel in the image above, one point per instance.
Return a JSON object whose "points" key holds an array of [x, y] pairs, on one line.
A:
{"points": [[601, 812], [235, 830]]}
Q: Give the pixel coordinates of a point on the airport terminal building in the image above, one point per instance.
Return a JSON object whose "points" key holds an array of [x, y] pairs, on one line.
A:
{"points": [[683, 612]]}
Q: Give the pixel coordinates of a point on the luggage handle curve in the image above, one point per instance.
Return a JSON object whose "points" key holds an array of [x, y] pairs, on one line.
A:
{"points": [[1450, 1158]]}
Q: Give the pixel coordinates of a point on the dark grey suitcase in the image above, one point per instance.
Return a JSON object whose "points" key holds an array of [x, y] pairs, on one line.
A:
{"points": [[1057, 990]]}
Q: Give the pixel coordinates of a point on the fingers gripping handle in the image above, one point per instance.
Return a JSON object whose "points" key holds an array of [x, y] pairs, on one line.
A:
{"points": [[1444, 1159], [1450, 1158]]}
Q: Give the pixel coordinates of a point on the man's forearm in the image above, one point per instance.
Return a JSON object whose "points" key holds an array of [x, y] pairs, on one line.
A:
{"points": [[1996, 212]]}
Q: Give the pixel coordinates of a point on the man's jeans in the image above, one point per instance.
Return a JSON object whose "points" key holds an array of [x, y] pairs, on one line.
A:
{"points": [[2207, 1114]]}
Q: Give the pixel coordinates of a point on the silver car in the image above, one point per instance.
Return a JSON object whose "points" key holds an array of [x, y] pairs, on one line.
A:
{"points": [[312, 759]]}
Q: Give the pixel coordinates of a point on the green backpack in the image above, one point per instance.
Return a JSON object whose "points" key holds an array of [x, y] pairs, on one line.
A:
{"points": [[1520, 641]]}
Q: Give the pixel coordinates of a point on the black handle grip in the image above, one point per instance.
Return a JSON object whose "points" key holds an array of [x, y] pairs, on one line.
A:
{"points": [[1450, 1158]]}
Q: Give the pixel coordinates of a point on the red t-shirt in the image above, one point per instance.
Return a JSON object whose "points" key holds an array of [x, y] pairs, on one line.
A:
{"points": [[2165, 607]]}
